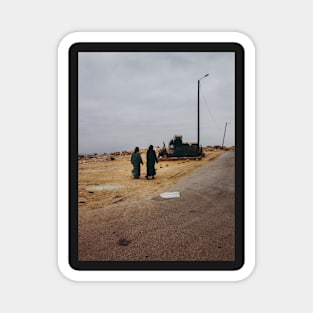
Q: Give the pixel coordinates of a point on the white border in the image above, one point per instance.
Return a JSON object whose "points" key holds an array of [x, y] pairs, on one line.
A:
{"points": [[63, 134]]}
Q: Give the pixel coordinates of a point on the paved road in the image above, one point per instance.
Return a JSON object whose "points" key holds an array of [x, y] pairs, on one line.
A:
{"points": [[200, 225]]}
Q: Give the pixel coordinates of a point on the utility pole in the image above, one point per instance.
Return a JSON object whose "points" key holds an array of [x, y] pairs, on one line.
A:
{"points": [[224, 134], [198, 141]]}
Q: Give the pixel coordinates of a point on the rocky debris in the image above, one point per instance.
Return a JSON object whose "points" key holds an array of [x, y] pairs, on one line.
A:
{"points": [[123, 242], [217, 147]]}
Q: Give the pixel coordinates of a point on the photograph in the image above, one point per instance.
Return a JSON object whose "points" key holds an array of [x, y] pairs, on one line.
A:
{"points": [[156, 150]]}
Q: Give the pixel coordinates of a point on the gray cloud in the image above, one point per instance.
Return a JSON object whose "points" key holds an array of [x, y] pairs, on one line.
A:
{"points": [[137, 99]]}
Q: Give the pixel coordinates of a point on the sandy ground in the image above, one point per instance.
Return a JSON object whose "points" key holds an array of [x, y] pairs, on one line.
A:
{"points": [[103, 181], [118, 221], [139, 225]]}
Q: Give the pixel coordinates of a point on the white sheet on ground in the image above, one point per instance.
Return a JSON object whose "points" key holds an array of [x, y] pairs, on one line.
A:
{"points": [[168, 195]]}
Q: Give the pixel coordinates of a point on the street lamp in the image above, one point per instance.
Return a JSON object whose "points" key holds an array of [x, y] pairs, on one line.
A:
{"points": [[224, 134], [199, 108]]}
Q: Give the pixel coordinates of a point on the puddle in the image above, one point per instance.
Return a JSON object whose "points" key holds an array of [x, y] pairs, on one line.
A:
{"points": [[103, 187]]}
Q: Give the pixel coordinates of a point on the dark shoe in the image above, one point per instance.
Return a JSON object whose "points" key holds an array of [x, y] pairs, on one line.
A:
{"points": [[147, 177]]}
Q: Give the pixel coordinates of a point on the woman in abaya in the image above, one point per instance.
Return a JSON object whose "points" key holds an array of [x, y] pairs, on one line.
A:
{"points": [[136, 160], [151, 160]]}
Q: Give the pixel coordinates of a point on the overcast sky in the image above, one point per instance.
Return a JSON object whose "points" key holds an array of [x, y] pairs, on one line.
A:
{"points": [[130, 99]]}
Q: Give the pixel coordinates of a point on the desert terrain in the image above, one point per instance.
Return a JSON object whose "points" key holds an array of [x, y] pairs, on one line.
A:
{"points": [[107, 180], [123, 219]]}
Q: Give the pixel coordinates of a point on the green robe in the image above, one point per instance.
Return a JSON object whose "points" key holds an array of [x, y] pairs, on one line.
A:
{"points": [[136, 161]]}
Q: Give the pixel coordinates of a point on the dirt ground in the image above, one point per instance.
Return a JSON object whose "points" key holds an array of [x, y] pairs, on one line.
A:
{"points": [[107, 180], [125, 219]]}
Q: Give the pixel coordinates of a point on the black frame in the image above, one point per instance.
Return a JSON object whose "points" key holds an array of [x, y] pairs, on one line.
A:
{"points": [[73, 155]]}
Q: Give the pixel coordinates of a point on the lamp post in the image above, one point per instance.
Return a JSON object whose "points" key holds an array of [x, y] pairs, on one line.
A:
{"points": [[198, 142], [224, 135]]}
